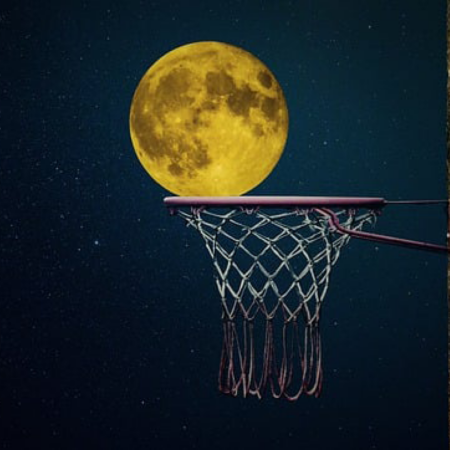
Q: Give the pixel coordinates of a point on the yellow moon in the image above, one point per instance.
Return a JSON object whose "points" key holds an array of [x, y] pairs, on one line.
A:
{"points": [[208, 119]]}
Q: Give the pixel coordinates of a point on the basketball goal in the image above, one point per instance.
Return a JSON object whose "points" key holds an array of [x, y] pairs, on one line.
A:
{"points": [[272, 258]]}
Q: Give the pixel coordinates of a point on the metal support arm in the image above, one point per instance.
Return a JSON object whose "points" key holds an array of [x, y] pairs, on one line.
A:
{"points": [[334, 222]]}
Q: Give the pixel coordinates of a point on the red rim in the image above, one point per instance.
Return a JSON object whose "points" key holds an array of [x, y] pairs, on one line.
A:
{"points": [[276, 201]]}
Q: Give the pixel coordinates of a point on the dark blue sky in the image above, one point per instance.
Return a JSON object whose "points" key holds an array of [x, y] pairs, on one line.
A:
{"points": [[110, 329]]}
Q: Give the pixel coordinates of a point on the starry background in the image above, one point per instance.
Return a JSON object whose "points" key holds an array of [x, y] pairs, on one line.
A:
{"points": [[110, 327]]}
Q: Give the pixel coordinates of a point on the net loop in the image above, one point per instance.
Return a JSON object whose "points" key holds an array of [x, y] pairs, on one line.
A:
{"points": [[249, 210]]}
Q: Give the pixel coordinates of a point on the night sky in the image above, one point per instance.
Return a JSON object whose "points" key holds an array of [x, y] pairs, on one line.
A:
{"points": [[110, 330]]}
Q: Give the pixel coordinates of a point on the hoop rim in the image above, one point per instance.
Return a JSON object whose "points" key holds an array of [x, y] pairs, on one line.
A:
{"points": [[275, 201]]}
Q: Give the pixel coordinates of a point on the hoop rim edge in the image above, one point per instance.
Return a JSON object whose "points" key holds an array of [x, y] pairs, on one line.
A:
{"points": [[275, 201]]}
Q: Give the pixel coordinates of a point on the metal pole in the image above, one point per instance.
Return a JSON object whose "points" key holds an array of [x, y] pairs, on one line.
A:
{"points": [[334, 221]]}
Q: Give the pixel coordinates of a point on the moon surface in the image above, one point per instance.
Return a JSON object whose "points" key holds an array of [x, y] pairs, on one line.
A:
{"points": [[208, 119]]}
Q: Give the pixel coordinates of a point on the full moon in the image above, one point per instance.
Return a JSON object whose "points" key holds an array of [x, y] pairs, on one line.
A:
{"points": [[208, 119]]}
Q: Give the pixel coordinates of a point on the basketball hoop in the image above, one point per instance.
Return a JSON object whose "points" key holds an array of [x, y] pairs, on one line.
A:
{"points": [[272, 258]]}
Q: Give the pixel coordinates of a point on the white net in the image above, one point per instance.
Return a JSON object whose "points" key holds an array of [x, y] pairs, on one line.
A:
{"points": [[272, 271]]}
